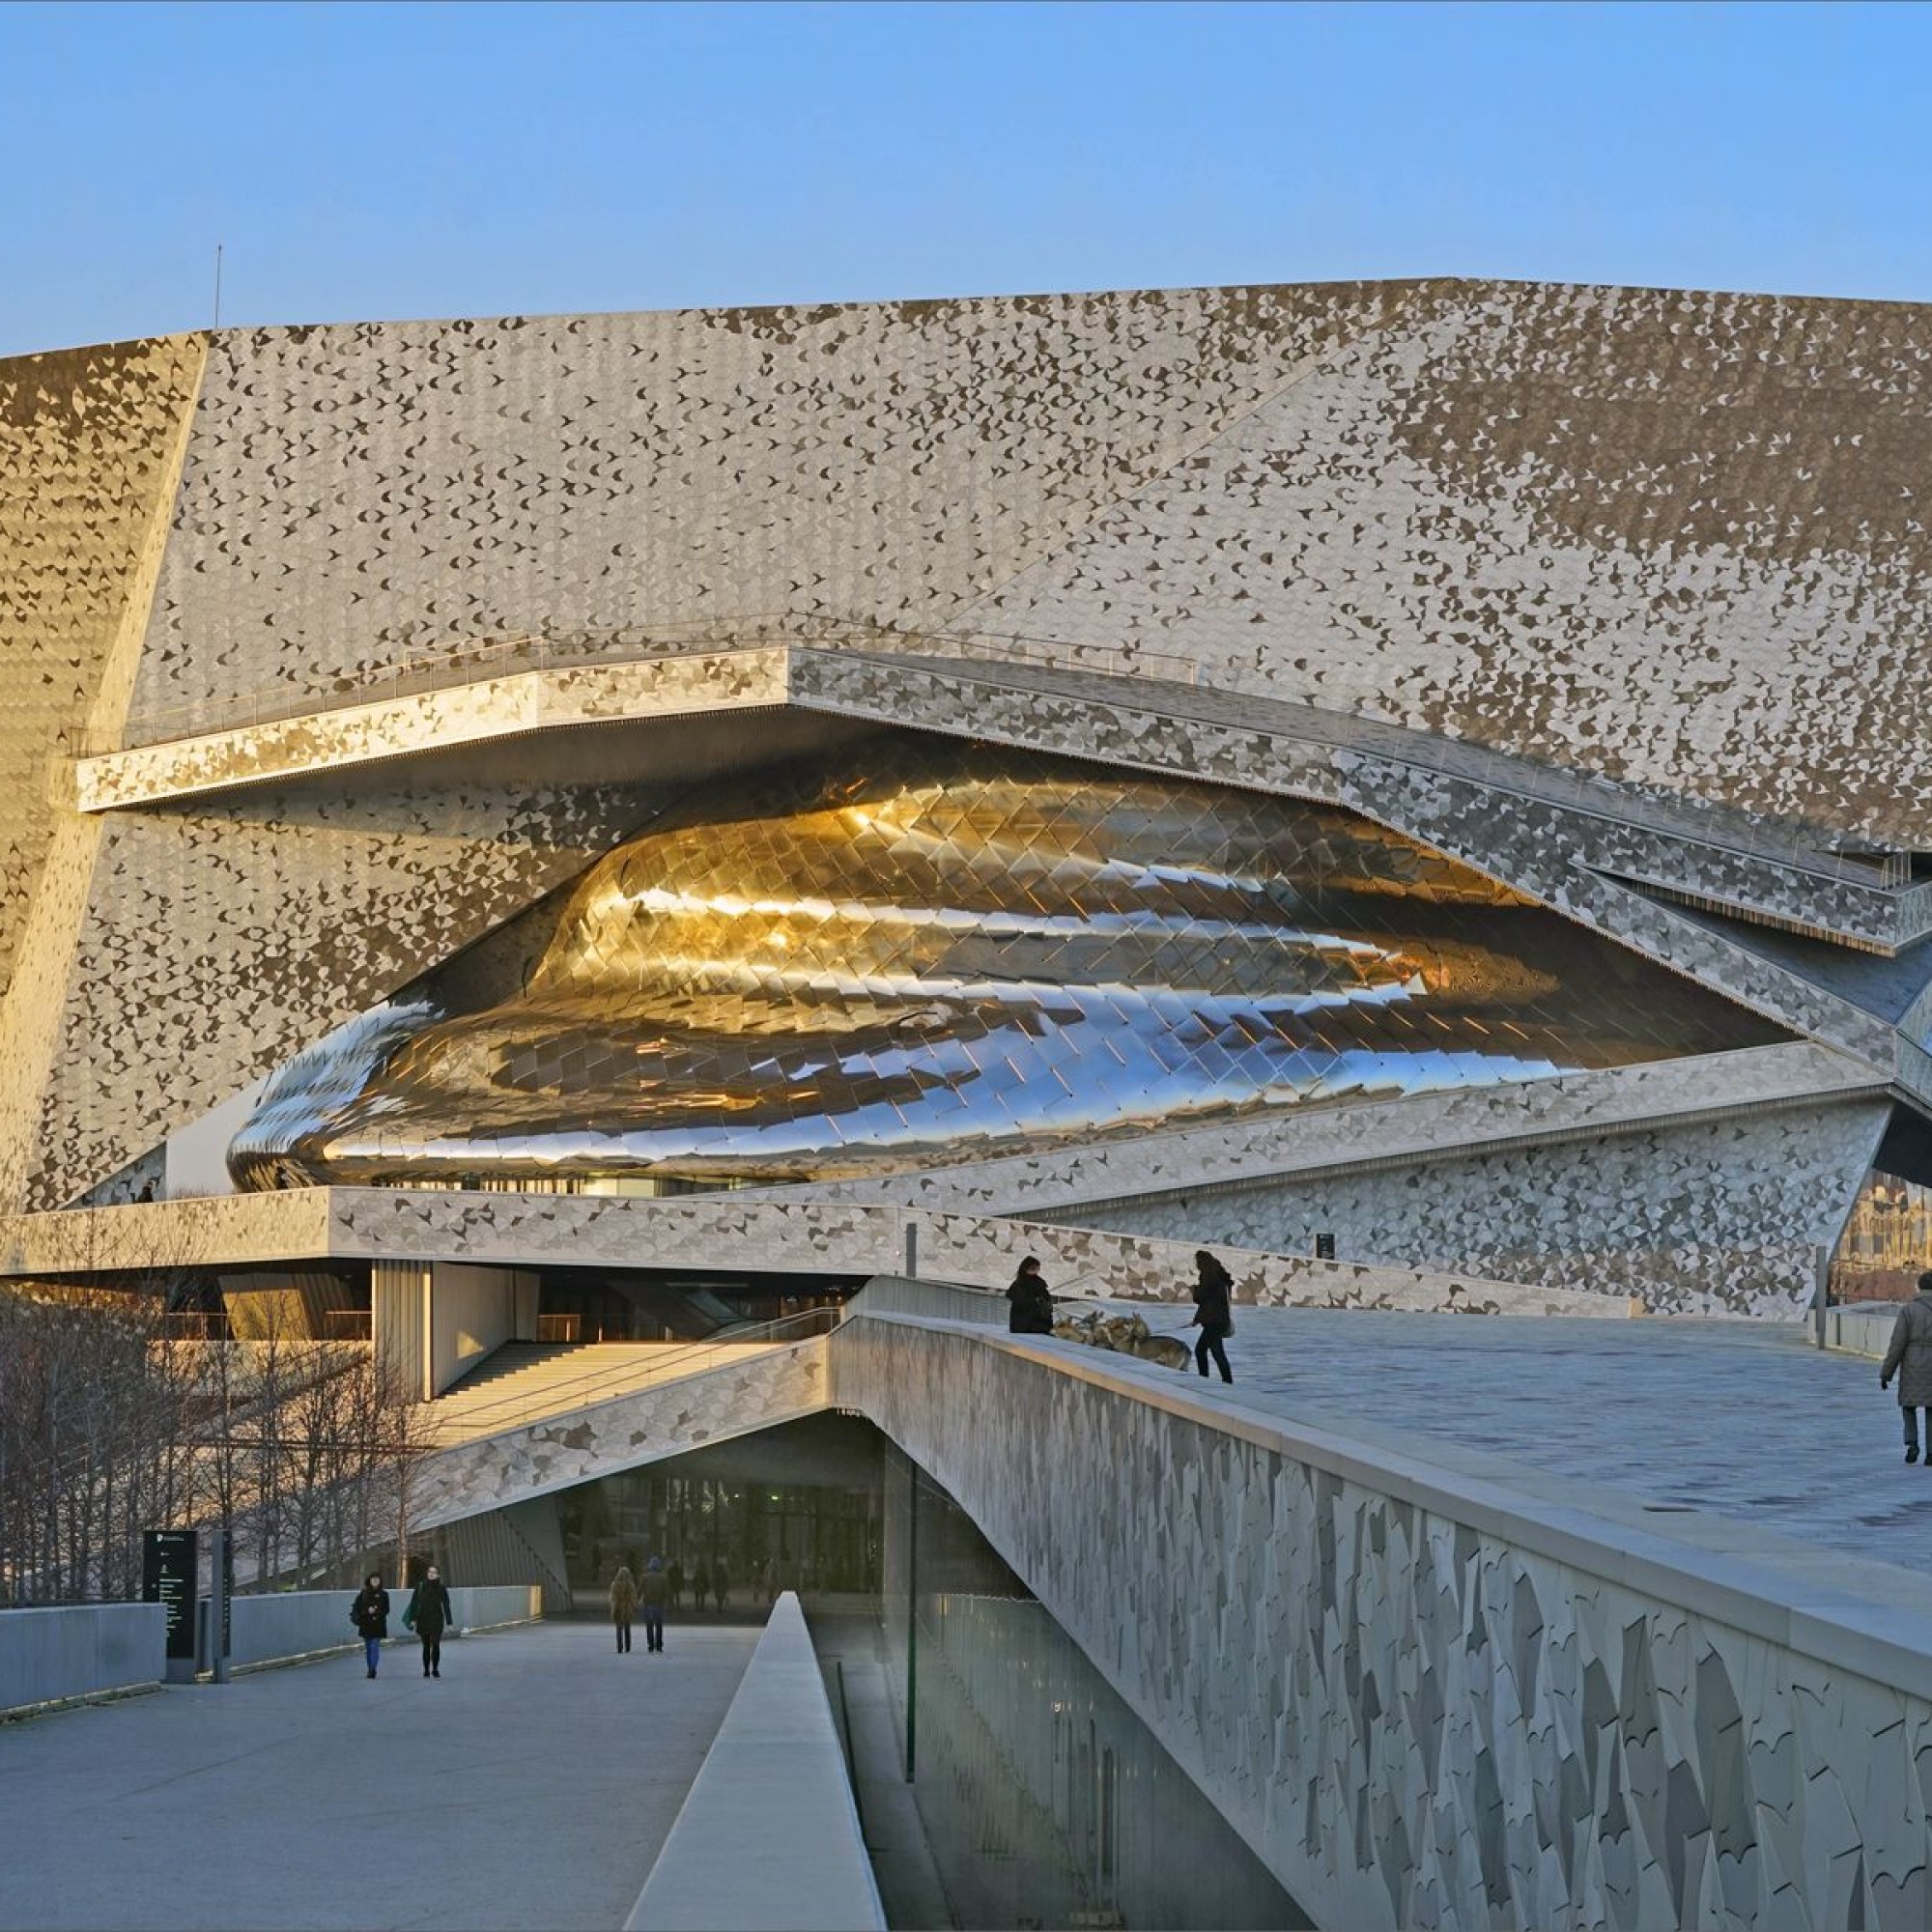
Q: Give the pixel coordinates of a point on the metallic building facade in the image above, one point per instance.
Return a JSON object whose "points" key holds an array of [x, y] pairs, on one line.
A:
{"points": [[944, 950], [1555, 652]]}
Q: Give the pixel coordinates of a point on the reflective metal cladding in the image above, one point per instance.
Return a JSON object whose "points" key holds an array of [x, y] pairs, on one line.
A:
{"points": [[948, 950]]}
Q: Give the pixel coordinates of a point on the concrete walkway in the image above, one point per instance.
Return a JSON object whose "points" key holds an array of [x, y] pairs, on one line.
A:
{"points": [[1742, 1419], [531, 1786]]}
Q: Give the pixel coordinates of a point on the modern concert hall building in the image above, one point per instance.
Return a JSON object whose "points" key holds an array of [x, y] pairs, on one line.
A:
{"points": [[555, 833], [1432, 766]]}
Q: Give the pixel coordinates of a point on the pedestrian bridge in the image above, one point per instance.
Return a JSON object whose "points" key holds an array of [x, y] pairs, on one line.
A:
{"points": [[1425, 1682], [535, 1783]]}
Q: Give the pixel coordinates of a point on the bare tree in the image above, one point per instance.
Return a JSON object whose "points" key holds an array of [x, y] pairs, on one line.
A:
{"points": [[94, 1410]]}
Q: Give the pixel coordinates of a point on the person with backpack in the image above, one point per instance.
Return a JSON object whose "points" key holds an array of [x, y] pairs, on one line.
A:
{"points": [[429, 1616], [370, 1614], [1213, 1313]]}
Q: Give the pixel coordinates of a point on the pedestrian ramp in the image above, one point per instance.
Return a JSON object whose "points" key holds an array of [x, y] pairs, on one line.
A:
{"points": [[526, 1383]]}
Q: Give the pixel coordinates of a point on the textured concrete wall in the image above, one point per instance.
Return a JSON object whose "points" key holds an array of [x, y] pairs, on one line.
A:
{"points": [[79, 1649], [1727, 1217], [893, 460], [1442, 1694], [293, 1622]]}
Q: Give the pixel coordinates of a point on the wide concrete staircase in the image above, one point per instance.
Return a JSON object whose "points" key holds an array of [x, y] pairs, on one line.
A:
{"points": [[522, 1383]]}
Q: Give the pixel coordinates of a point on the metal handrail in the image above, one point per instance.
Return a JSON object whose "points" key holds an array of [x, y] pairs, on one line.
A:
{"points": [[582, 1391]]}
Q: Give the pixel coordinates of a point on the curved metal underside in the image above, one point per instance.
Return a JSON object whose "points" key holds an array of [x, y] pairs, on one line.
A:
{"points": [[948, 951]]}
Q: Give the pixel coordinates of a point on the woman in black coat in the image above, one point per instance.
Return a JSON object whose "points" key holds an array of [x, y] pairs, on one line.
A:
{"points": [[1032, 1301], [1212, 1312], [429, 1616], [370, 1614]]}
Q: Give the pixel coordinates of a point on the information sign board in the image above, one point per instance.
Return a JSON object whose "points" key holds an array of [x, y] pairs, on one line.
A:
{"points": [[170, 1561]]}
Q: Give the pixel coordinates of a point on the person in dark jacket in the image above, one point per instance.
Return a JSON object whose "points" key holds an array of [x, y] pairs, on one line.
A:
{"points": [[429, 1616], [1032, 1301], [674, 1576], [721, 1582], [1910, 1359], [651, 1593], [370, 1614], [1213, 1313], [700, 1584]]}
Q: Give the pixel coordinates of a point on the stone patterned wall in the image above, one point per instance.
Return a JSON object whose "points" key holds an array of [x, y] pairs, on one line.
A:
{"points": [[89, 438], [889, 461], [855, 1240], [217, 942], [1727, 1217], [1577, 1107], [1422, 1708], [1670, 536]]}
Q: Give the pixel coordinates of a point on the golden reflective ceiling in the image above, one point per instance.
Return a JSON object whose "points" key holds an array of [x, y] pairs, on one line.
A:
{"points": [[941, 951]]}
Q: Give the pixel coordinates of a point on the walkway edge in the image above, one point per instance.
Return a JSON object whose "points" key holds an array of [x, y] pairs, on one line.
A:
{"points": [[776, 1759]]}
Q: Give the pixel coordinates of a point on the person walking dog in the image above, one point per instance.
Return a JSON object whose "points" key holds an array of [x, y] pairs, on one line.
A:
{"points": [[1213, 1313], [1910, 1359], [370, 1614], [429, 1616]]}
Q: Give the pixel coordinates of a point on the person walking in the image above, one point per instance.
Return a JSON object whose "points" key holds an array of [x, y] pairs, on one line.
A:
{"points": [[652, 1592], [721, 1584], [1032, 1301], [624, 1605], [429, 1616], [701, 1584], [370, 1614], [1910, 1359], [674, 1576], [1213, 1313]]}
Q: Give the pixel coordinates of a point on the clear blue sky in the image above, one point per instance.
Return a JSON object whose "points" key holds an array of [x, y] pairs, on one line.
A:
{"points": [[383, 161]]}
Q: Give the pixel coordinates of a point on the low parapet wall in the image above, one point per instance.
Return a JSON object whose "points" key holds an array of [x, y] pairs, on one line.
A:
{"points": [[298, 1623], [776, 1770], [1449, 1691], [1863, 1329], [85, 1650], [80, 1650]]}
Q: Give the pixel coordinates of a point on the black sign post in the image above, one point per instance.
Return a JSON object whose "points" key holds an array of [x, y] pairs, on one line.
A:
{"points": [[170, 1563]]}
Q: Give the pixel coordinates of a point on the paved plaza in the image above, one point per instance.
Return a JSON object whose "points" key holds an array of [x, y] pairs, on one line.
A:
{"points": [[531, 1786], [1744, 1420]]}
